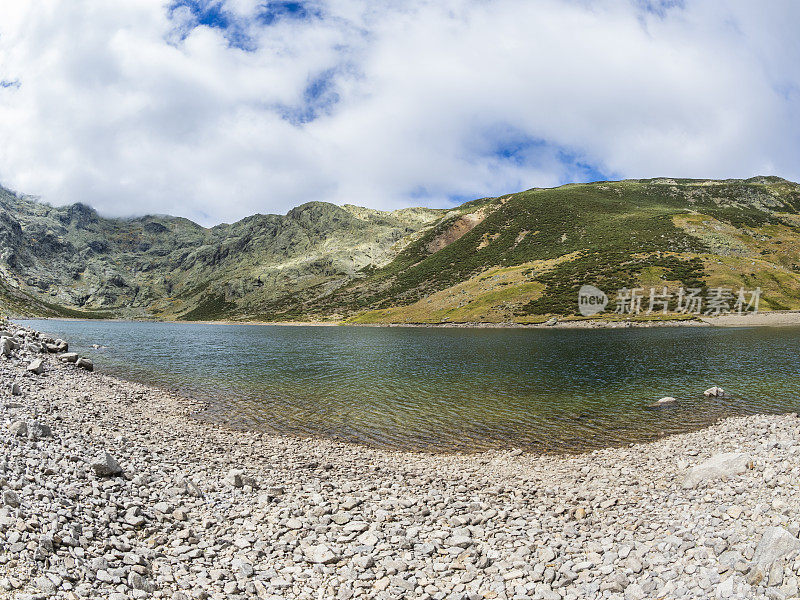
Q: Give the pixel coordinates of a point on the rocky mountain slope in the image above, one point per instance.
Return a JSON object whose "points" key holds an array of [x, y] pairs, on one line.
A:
{"points": [[519, 257], [71, 259]]}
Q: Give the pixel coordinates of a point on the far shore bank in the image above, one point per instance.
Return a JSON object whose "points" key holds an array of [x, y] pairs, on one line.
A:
{"points": [[761, 319]]}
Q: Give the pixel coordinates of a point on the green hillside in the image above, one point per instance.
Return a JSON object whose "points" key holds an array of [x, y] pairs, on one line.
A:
{"points": [[520, 257]]}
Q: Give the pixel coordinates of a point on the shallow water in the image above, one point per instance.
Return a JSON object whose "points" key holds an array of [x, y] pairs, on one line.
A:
{"points": [[454, 389]]}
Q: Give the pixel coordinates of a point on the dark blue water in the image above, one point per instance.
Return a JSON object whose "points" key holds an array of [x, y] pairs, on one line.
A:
{"points": [[455, 389]]}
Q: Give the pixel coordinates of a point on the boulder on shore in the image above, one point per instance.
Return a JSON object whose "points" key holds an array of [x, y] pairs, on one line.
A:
{"points": [[105, 465], [19, 428], [5, 346], [776, 545], [718, 466], [36, 366], [69, 357], [85, 363]]}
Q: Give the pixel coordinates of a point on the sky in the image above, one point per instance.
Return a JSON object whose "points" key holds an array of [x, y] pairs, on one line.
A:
{"points": [[218, 109]]}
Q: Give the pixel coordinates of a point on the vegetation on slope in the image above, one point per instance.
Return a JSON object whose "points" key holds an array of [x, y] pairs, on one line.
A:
{"points": [[519, 257]]}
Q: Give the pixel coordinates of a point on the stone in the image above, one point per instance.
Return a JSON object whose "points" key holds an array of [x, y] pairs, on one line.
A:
{"points": [[19, 428], [5, 346], [85, 363], [10, 498], [776, 543], [105, 465], [36, 366], [16, 390], [37, 430], [551, 321], [138, 582], [666, 400], [235, 478], [715, 392], [718, 466], [69, 357], [320, 555]]}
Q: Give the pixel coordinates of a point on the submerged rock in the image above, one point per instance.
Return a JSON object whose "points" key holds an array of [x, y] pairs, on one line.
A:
{"points": [[666, 400]]}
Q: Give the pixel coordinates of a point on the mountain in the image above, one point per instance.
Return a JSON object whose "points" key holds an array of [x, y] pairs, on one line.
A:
{"points": [[519, 257]]}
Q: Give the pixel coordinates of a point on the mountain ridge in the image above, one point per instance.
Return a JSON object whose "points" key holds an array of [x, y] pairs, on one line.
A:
{"points": [[512, 258]]}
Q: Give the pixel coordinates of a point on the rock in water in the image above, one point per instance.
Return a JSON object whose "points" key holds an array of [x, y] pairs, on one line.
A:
{"points": [[69, 357], [715, 392], [666, 400], [718, 466], [36, 366], [85, 363], [105, 465]]}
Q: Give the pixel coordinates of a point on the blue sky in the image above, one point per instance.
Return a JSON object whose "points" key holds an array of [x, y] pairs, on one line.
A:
{"points": [[216, 109]]}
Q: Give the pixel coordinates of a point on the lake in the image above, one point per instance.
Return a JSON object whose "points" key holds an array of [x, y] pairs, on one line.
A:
{"points": [[454, 389]]}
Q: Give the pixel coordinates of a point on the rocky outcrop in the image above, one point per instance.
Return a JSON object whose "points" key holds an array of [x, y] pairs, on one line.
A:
{"points": [[76, 258]]}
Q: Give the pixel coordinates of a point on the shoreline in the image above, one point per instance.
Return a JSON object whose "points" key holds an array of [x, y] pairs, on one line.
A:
{"points": [[204, 511], [786, 318]]}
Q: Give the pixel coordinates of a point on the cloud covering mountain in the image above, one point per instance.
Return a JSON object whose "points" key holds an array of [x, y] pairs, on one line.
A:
{"points": [[216, 109]]}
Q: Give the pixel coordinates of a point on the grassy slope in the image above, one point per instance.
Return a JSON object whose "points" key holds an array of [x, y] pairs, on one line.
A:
{"points": [[630, 233]]}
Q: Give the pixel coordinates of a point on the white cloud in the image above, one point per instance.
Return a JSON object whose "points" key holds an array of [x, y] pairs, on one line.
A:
{"points": [[137, 107]]}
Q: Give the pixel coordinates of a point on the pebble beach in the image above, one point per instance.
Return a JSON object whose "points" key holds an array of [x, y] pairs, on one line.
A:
{"points": [[112, 489]]}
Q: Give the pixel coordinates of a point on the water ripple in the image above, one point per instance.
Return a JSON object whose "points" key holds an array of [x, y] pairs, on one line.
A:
{"points": [[455, 389]]}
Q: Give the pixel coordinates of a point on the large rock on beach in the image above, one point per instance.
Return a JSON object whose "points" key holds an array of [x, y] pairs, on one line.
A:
{"points": [[105, 465], [776, 545], [69, 357], [37, 430], [36, 366], [18, 428], [85, 363], [5, 346], [718, 466]]}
